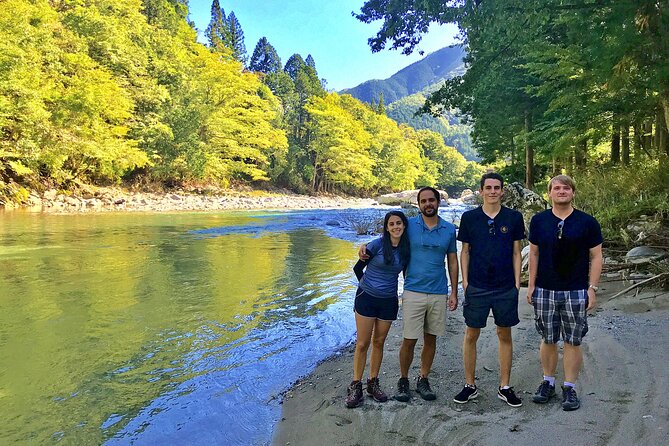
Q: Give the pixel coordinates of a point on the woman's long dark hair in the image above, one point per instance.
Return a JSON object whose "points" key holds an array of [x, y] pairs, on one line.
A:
{"points": [[403, 246]]}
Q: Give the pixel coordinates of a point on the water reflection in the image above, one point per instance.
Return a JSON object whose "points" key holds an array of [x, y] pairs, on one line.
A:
{"points": [[126, 327], [169, 328]]}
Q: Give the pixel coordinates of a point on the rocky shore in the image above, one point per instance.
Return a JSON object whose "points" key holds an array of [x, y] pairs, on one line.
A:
{"points": [[117, 199]]}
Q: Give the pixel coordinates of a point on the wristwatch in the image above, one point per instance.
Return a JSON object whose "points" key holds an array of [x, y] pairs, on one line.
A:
{"points": [[594, 287]]}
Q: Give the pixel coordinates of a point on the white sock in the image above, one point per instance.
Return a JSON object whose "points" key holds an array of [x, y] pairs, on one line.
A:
{"points": [[550, 379], [505, 387], [568, 384]]}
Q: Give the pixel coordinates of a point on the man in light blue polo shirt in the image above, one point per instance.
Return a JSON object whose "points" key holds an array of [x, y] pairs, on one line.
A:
{"points": [[426, 291]]}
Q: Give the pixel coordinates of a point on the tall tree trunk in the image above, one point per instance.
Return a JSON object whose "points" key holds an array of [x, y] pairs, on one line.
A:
{"points": [[636, 146], [664, 100], [513, 153], [658, 130], [625, 141], [615, 144], [570, 165], [581, 153], [661, 130], [663, 135], [529, 152], [647, 138]]}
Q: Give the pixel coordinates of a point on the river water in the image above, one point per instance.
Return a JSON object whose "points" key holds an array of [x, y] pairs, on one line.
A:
{"points": [[154, 329]]}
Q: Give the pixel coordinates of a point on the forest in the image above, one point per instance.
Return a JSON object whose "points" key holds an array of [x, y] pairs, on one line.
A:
{"points": [[552, 86], [107, 92]]}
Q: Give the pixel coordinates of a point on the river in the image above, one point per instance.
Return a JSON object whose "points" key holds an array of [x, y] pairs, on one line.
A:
{"points": [[170, 328]]}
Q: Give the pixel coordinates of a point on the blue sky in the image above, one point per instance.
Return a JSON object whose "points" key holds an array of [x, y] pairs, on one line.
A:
{"points": [[326, 30]]}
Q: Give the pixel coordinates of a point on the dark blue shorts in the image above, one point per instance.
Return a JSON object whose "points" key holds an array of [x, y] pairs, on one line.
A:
{"points": [[479, 302], [383, 308]]}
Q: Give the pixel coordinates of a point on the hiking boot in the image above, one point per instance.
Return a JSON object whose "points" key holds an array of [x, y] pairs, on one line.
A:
{"points": [[544, 392], [467, 393], [354, 398], [374, 390], [424, 390], [403, 393], [509, 396], [569, 399]]}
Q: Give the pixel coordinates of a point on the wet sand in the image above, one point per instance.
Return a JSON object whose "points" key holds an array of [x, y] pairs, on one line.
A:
{"points": [[622, 387]]}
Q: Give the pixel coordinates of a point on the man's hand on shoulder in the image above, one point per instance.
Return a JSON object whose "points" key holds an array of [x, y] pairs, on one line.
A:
{"points": [[362, 252]]}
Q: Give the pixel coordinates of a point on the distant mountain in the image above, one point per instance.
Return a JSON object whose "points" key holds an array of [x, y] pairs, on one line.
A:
{"points": [[435, 67]]}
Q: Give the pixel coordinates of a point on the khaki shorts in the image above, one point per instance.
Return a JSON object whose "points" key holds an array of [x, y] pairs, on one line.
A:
{"points": [[423, 313]]}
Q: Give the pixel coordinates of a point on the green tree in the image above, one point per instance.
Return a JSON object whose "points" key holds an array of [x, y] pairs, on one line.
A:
{"points": [[381, 107], [237, 39], [338, 149], [265, 59], [218, 32], [294, 65], [311, 63]]}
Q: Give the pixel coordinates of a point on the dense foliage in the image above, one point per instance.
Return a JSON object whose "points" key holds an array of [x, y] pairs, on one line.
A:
{"points": [[109, 91], [554, 86]]}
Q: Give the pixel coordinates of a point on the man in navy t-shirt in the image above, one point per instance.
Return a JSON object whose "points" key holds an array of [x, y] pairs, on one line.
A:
{"points": [[490, 261], [565, 264]]}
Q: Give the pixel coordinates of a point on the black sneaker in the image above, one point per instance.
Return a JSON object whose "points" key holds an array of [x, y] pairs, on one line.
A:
{"points": [[374, 390], [509, 396], [569, 399], [354, 398], [467, 393], [403, 393], [544, 393], [424, 390]]}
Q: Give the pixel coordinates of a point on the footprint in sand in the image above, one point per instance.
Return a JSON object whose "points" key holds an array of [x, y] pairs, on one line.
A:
{"points": [[341, 421]]}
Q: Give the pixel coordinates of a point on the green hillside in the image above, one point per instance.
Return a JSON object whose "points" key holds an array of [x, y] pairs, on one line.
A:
{"points": [[435, 67], [448, 126], [406, 91]]}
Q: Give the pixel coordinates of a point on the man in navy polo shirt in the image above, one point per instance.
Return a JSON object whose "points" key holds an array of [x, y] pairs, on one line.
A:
{"points": [[490, 260], [426, 294], [565, 265]]}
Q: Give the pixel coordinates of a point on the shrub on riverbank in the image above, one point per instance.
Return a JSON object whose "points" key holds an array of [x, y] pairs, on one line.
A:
{"points": [[618, 196]]}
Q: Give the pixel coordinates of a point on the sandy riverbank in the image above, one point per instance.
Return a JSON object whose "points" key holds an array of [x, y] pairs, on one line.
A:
{"points": [[622, 389]]}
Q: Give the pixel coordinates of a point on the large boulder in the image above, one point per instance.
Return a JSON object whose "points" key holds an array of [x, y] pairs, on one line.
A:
{"points": [[644, 254], [522, 199], [473, 199]]}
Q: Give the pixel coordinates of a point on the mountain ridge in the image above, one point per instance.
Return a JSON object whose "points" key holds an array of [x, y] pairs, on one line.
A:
{"points": [[433, 68]]}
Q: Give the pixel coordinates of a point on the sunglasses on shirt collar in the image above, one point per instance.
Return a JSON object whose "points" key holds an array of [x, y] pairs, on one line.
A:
{"points": [[491, 226], [560, 226]]}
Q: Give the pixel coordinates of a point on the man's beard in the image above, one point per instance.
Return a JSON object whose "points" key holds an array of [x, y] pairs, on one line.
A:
{"points": [[429, 212]]}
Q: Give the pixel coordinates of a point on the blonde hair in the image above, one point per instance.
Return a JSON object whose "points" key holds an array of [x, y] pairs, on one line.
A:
{"points": [[564, 179]]}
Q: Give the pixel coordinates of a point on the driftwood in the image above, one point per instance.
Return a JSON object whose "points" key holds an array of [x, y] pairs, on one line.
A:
{"points": [[636, 285]]}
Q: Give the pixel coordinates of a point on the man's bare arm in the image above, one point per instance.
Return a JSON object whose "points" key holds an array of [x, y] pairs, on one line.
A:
{"points": [[452, 260], [595, 273], [517, 262], [533, 265], [464, 264]]}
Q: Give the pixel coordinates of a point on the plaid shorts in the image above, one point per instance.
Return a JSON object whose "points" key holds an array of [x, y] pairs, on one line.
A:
{"points": [[561, 313]]}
